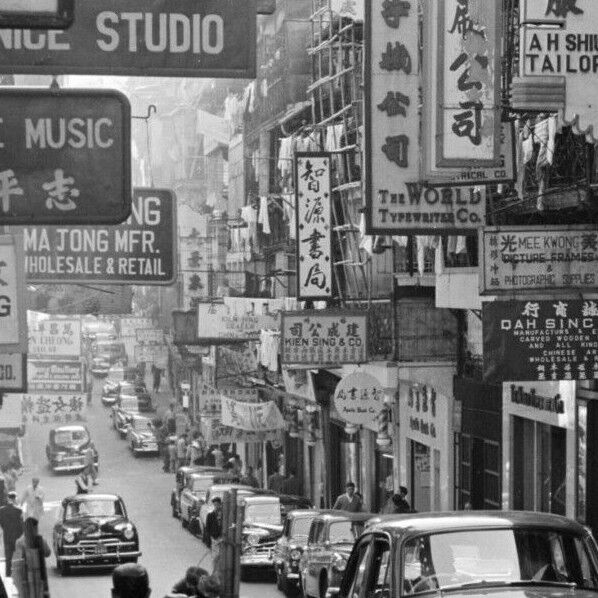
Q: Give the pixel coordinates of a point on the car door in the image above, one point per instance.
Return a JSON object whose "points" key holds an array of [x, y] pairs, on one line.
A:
{"points": [[354, 580], [315, 561], [379, 569], [307, 557], [186, 500]]}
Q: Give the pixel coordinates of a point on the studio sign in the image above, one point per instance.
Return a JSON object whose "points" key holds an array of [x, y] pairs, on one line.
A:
{"points": [[531, 399]]}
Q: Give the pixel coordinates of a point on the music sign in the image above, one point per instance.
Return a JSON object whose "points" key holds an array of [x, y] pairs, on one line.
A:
{"points": [[314, 244], [519, 258], [540, 340], [316, 338], [65, 155]]}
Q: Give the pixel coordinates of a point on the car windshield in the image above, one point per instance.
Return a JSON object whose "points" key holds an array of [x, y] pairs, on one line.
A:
{"points": [[300, 527], [497, 557], [68, 437], [129, 403], [94, 508], [141, 424], [344, 531], [268, 513]]}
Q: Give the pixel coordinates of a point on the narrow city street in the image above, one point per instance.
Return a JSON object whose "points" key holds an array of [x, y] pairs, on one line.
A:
{"points": [[167, 549]]}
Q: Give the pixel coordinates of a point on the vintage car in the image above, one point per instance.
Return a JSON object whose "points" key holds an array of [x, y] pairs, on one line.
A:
{"points": [[141, 436], [116, 375], [291, 502], [193, 496], [122, 413], [93, 530], [262, 527], [469, 554], [66, 446], [100, 366], [289, 548], [329, 543], [134, 389]]}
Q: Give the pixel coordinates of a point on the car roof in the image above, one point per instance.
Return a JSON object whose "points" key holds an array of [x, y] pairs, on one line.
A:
{"points": [[198, 475], [261, 499], [338, 515], [302, 513], [453, 520], [94, 496], [72, 428], [227, 487]]}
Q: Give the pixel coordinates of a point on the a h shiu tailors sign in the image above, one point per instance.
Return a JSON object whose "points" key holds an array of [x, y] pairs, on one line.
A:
{"points": [[558, 42], [138, 251], [555, 339], [517, 258]]}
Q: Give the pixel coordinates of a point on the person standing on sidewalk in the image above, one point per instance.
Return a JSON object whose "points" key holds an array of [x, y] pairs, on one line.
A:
{"points": [[11, 522], [162, 435], [33, 499], [181, 450], [214, 533], [29, 562], [90, 466]]}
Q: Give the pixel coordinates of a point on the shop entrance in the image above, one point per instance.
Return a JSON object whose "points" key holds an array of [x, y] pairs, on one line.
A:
{"points": [[421, 477]]}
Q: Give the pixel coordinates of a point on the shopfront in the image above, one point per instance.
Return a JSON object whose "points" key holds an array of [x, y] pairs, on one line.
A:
{"points": [[539, 466], [426, 446]]}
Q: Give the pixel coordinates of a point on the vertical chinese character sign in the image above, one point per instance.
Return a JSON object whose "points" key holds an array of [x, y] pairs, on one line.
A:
{"points": [[312, 205], [468, 70], [13, 325], [392, 81]]}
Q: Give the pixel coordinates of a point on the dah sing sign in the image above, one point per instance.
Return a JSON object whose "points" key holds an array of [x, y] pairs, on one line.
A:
{"points": [[65, 156], [540, 340], [139, 251], [166, 38]]}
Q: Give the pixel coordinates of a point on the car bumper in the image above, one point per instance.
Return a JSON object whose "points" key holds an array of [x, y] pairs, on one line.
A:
{"points": [[99, 372], [256, 560], [74, 466], [98, 559], [145, 449], [108, 400]]}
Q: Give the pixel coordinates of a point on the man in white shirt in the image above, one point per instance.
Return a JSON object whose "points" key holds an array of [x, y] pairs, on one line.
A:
{"points": [[33, 499]]}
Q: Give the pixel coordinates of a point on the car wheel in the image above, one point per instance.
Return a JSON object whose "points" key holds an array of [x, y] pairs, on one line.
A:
{"points": [[323, 586]]}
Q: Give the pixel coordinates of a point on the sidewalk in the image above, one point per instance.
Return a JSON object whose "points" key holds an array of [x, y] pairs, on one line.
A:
{"points": [[11, 589]]}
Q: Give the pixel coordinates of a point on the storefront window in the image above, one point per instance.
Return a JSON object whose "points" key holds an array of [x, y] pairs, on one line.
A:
{"points": [[539, 466]]}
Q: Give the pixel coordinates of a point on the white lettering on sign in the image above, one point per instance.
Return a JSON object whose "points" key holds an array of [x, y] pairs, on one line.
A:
{"points": [[175, 32], [78, 133], [27, 39], [145, 210]]}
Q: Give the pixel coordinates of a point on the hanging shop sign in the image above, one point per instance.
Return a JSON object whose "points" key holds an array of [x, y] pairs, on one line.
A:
{"points": [[129, 326], [139, 251], [38, 14], [149, 336], [215, 432], [317, 338], [55, 376], [156, 354], [504, 172], [392, 82], [13, 373], [314, 225], [219, 323], [255, 417], [56, 338], [210, 398], [165, 38], [358, 399], [518, 258], [567, 53], [540, 340], [54, 408], [65, 155], [467, 73], [13, 315]]}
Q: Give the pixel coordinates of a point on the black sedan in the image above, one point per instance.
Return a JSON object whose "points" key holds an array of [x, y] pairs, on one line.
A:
{"points": [[93, 530]]}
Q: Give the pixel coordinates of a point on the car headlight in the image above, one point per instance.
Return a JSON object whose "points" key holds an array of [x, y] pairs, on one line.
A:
{"points": [[339, 562], [59, 456], [295, 554], [253, 539], [129, 533], [68, 536]]}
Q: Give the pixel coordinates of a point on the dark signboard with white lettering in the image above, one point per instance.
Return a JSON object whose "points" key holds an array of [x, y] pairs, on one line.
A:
{"points": [[65, 157], [540, 340], [138, 251], [165, 38]]}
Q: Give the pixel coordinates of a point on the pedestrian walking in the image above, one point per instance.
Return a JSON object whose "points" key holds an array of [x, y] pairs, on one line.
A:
{"points": [[213, 535], [275, 481], [349, 501], [170, 419], [33, 499], [162, 437], [11, 476], [90, 463], [172, 453], [181, 450], [29, 571], [11, 522], [292, 485], [157, 377], [194, 455], [130, 581], [400, 503], [82, 482]]}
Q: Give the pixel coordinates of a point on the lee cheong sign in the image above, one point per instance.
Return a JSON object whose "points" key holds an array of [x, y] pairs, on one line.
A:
{"points": [[139, 251], [538, 257], [540, 340], [65, 155], [54, 376], [56, 338], [315, 338], [566, 52], [13, 315], [314, 245], [165, 38]]}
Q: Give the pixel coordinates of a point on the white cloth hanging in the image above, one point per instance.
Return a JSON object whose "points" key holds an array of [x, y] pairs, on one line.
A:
{"points": [[461, 245], [400, 240], [290, 214], [263, 218], [541, 137], [333, 137], [423, 242], [269, 349], [366, 242], [285, 156], [439, 258]]}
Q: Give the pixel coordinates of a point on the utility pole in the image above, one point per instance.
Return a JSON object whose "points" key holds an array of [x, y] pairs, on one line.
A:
{"points": [[230, 562]]}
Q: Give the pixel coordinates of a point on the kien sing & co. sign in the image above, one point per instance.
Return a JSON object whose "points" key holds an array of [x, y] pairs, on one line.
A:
{"points": [[165, 38], [323, 337], [538, 258], [65, 155], [139, 251], [540, 340]]}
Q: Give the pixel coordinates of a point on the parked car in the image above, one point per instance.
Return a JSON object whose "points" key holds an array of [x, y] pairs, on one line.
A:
{"points": [[129, 389], [100, 366], [329, 543], [472, 554], [116, 375], [289, 548], [122, 414], [291, 502], [262, 527], [94, 530], [141, 435], [193, 496], [66, 447]]}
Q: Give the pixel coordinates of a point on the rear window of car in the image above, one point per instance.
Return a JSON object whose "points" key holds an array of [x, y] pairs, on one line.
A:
{"points": [[66, 437], [300, 527]]}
